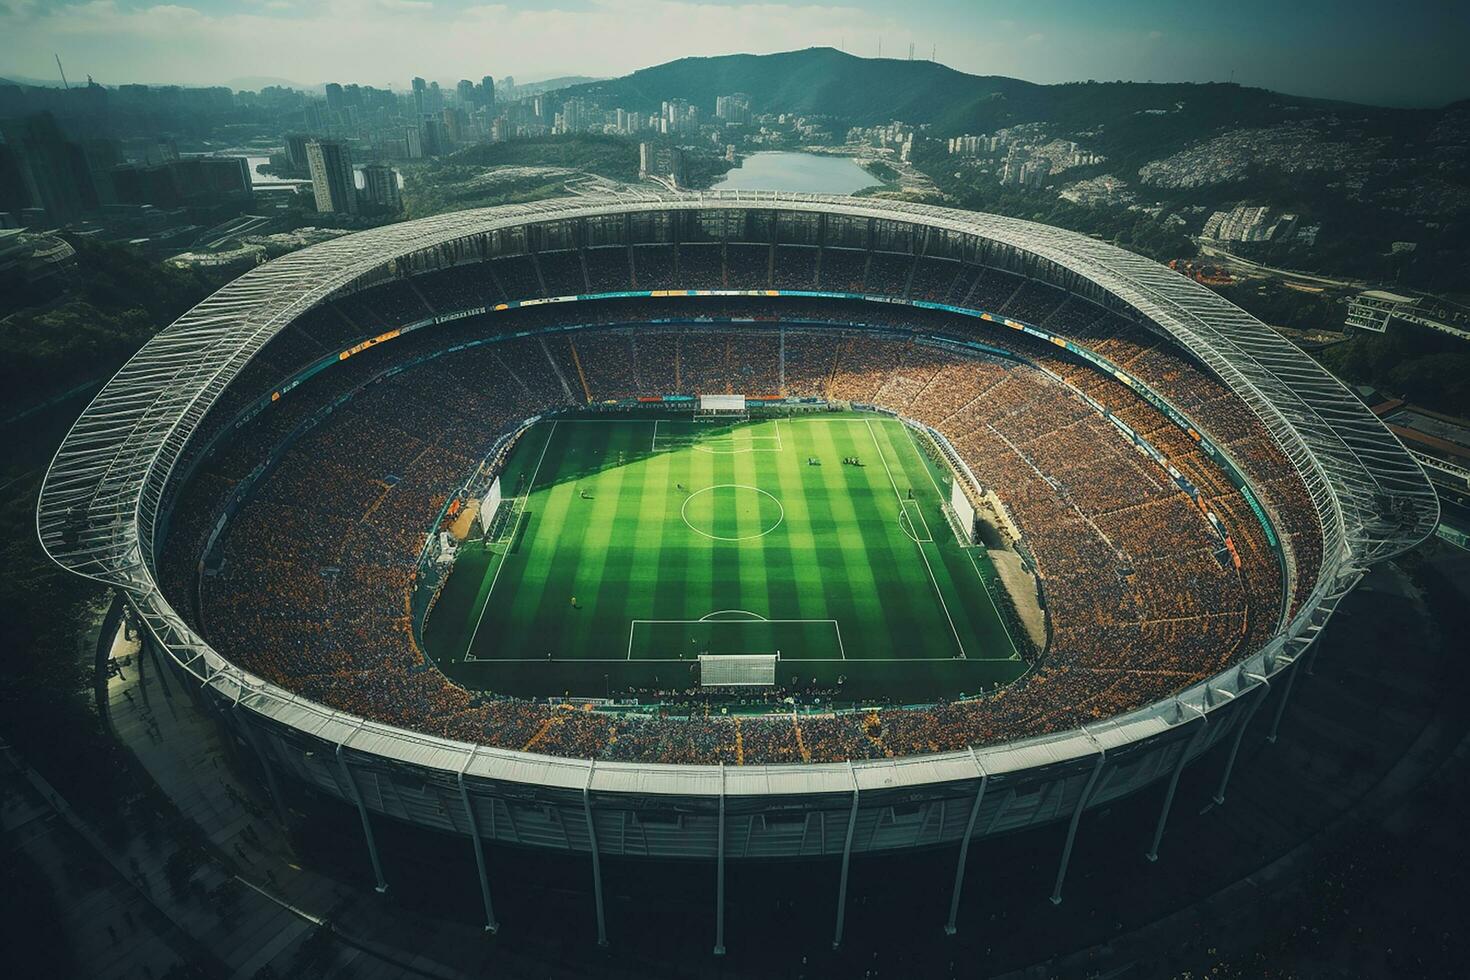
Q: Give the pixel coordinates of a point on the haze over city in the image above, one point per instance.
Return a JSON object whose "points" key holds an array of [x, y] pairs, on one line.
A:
{"points": [[1410, 54]]}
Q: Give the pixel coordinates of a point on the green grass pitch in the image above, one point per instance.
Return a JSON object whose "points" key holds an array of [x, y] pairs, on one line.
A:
{"points": [[679, 537]]}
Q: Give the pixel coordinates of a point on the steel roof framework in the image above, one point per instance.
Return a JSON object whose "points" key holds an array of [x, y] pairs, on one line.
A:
{"points": [[100, 497]]}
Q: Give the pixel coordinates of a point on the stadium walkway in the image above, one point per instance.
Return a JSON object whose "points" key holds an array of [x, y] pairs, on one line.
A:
{"points": [[244, 850]]}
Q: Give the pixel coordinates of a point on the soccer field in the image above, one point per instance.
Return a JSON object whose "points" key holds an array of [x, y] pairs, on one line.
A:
{"points": [[637, 544]]}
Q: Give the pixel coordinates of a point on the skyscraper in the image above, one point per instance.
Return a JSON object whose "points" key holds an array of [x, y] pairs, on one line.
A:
{"points": [[574, 115], [296, 152], [487, 94], [420, 92], [331, 177], [466, 92], [52, 169], [380, 186], [335, 100]]}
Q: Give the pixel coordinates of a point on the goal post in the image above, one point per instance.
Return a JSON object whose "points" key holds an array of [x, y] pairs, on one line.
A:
{"points": [[738, 670], [722, 407], [964, 511], [492, 499]]}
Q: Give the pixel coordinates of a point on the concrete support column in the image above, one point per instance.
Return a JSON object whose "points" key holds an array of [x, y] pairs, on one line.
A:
{"points": [[491, 925], [846, 860], [1281, 705], [720, 872], [1056, 892], [278, 802], [151, 646], [959, 869], [367, 825], [1245, 722], [596, 860], [1188, 750]]}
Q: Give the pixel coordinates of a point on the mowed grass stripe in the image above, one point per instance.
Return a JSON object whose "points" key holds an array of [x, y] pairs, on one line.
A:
{"points": [[601, 572], [917, 599], [541, 613], [952, 563], [529, 452], [755, 470], [787, 596], [851, 585], [839, 553], [650, 523], [899, 451]]}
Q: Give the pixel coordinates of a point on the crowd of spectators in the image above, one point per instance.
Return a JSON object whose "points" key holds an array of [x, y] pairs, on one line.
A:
{"points": [[309, 584], [563, 273]]}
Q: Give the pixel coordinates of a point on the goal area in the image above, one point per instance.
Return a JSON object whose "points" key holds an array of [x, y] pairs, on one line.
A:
{"points": [[737, 670]]}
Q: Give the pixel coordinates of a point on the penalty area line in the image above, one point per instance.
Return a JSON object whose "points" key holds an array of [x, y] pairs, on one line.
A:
{"points": [[929, 568], [530, 489]]}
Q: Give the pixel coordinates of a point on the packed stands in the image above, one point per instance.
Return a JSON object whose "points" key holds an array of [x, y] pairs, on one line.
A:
{"points": [[308, 585]]}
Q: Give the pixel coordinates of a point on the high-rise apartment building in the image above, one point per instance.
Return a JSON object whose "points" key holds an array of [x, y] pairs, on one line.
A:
{"points": [[380, 186], [331, 177], [52, 169], [296, 152], [420, 97], [733, 109]]}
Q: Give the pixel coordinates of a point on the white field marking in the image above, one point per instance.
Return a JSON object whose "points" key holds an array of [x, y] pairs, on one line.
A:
{"points": [[913, 531], [698, 443], [932, 580], [785, 659], [927, 468], [735, 486], [1015, 653], [515, 527], [633, 628], [907, 530], [710, 617], [530, 489], [914, 441]]}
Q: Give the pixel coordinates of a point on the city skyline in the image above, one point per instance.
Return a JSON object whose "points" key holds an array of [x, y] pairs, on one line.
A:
{"points": [[1314, 50]]}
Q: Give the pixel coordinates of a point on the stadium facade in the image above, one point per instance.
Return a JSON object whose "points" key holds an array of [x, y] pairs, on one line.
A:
{"points": [[104, 509]]}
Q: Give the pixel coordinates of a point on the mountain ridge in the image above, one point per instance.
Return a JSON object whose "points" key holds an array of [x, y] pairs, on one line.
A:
{"points": [[870, 91]]}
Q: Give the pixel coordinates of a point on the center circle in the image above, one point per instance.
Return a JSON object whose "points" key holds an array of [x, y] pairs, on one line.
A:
{"points": [[732, 512]]}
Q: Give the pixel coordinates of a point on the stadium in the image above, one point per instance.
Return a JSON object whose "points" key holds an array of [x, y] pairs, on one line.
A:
{"points": [[729, 526]]}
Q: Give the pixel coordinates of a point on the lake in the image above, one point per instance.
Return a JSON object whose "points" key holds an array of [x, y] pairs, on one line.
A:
{"points": [[813, 173]]}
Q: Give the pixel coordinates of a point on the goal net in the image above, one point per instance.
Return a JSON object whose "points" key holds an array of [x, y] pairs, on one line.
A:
{"points": [[964, 511], [737, 670], [491, 500], [722, 406]]}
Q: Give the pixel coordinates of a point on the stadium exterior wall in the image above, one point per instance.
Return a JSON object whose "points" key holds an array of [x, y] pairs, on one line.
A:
{"points": [[901, 804]]}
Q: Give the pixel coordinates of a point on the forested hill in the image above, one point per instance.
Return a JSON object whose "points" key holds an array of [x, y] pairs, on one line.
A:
{"points": [[866, 91]]}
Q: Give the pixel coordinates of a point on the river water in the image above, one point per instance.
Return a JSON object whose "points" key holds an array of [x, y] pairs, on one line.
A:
{"points": [[813, 173]]}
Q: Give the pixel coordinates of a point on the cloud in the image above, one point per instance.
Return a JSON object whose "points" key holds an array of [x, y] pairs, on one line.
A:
{"points": [[1035, 38], [382, 42], [1154, 35]]}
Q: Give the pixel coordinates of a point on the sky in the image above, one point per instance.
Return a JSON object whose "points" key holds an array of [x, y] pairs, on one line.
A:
{"points": [[1407, 53]]}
